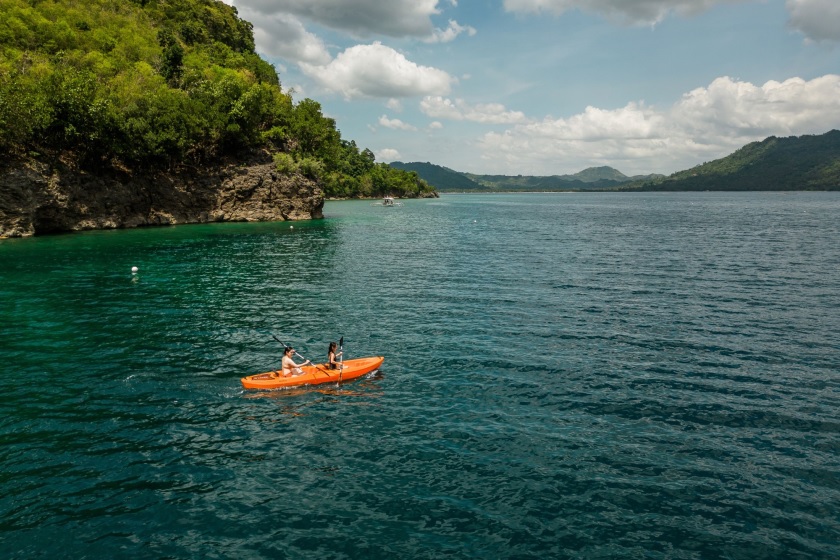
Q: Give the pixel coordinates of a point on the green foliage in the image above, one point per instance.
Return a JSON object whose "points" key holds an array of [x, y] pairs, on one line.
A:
{"points": [[79, 114], [173, 57], [315, 134], [153, 83], [285, 163], [312, 168], [357, 174]]}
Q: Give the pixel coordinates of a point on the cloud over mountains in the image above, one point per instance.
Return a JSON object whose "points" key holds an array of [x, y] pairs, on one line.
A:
{"points": [[403, 56]]}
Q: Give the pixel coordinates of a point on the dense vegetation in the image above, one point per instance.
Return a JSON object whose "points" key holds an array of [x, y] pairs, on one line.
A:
{"points": [[445, 179], [794, 163], [160, 83]]}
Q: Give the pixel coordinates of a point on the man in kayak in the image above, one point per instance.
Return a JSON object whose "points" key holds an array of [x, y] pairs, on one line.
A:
{"points": [[289, 365]]}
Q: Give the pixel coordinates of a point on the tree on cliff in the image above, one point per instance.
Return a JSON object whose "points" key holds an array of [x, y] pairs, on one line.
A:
{"points": [[160, 83]]}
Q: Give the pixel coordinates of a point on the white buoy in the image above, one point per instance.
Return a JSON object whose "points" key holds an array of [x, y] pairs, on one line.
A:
{"points": [[134, 270]]}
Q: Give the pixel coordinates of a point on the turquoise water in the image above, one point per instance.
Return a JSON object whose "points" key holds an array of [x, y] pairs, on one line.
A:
{"points": [[566, 376]]}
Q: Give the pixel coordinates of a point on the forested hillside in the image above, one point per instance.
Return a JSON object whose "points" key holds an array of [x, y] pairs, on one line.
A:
{"points": [[810, 162], [794, 163], [442, 178], [448, 180], [149, 84]]}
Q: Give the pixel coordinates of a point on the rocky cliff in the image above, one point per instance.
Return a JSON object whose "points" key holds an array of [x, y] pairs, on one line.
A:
{"points": [[39, 197]]}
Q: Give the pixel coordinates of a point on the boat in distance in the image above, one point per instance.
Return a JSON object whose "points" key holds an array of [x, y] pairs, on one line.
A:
{"points": [[388, 201], [314, 374]]}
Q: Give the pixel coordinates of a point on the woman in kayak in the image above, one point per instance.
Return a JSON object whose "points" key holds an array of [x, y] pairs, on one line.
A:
{"points": [[331, 356], [289, 365]]}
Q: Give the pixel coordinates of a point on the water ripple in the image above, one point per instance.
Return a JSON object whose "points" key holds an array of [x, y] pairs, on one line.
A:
{"points": [[566, 376]]}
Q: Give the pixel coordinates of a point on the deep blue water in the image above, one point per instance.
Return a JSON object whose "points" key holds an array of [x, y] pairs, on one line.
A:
{"points": [[566, 376]]}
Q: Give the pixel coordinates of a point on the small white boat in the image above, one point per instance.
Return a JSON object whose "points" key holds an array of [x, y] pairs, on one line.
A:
{"points": [[388, 201]]}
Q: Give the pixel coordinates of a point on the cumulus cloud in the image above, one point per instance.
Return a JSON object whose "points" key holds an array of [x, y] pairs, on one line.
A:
{"points": [[283, 36], [387, 155], [435, 125], [705, 124], [395, 124], [627, 11], [395, 105], [378, 71], [744, 110], [439, 107], [818, 20], [361, 18], [450, 33]]}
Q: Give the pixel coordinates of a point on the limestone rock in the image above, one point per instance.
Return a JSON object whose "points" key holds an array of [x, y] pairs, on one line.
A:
{"points": [[39, 197]]}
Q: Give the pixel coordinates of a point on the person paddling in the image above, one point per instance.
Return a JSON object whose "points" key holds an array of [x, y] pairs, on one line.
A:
{"points": [[290, 368], [332, 362]]}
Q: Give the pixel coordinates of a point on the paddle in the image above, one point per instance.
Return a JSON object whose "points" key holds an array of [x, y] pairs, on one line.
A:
{"points": [[340, 358], [301, 355]]}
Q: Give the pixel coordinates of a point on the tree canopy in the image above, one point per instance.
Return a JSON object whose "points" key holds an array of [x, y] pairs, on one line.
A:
{"points": [[159, 83]]}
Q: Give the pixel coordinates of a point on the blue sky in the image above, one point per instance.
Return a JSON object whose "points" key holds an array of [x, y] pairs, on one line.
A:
{"points": [[544, 87]]}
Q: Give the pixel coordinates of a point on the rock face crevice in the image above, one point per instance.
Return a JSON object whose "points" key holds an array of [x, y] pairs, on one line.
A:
{"points": [[37, 197]]}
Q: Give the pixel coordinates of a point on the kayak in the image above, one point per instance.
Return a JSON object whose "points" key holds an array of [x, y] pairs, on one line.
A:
{"points": [[314, 374]]}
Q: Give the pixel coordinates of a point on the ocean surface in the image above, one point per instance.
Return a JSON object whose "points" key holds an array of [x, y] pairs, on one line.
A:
{"points": [[583, 375]]}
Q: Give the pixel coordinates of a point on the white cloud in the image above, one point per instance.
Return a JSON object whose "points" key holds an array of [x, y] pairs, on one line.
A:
{"points": [[284, 36], [438, 107], [706, 123], [743, 112], [378, 71], [387, 155], [395, 124], [818, 20], [627, 11], [435, 125], [450, 33], [491, 113], [394, 105], [360, 18]]}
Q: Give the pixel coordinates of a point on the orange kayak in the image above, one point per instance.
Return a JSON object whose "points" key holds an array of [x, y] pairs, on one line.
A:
{"points": [[314, 374]]}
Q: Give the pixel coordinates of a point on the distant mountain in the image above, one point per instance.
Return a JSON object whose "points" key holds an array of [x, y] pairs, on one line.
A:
{"points": [[793, 163], [442, 178], [774, 164], [594, 174], [448, 180]]}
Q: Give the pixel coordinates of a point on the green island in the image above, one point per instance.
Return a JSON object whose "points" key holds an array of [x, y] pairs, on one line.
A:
{"points": [[810, 162], [145, 86]]}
